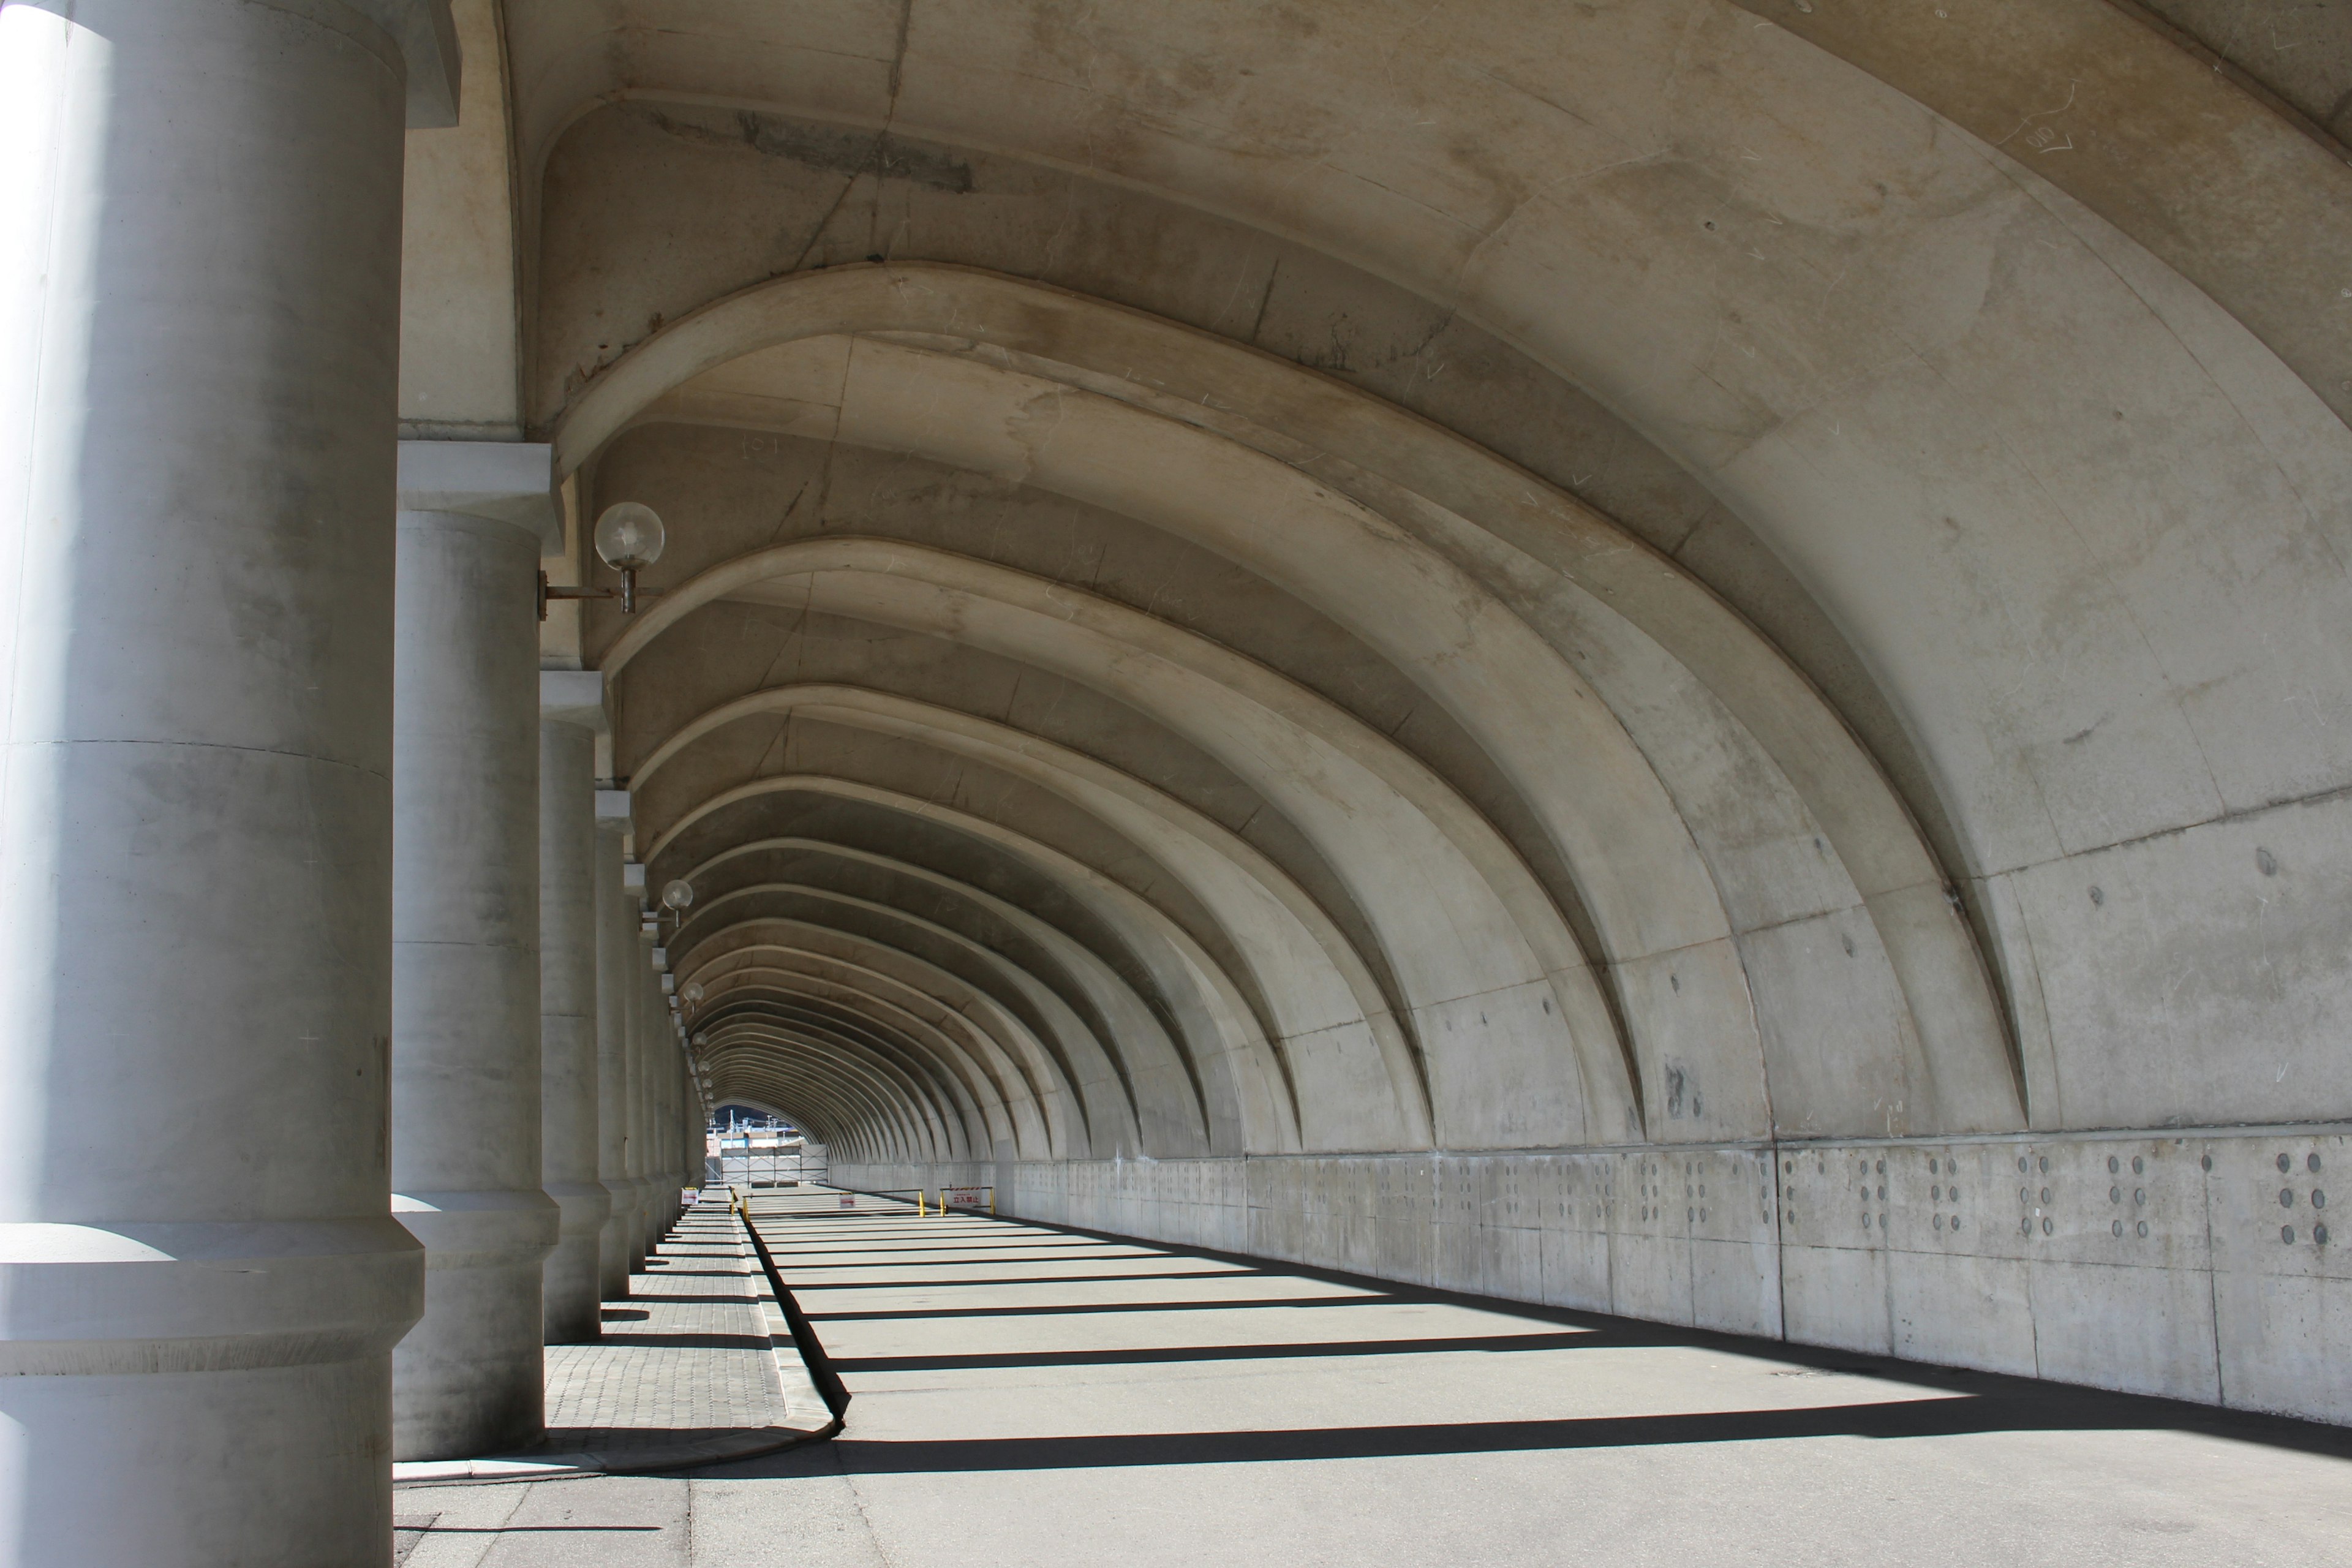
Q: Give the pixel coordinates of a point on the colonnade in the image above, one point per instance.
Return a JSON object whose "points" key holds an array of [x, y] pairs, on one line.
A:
{"points": [[335, 1077]]}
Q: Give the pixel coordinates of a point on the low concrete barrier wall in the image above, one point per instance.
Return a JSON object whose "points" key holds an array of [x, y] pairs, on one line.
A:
{"points": [[2195, 1264]]}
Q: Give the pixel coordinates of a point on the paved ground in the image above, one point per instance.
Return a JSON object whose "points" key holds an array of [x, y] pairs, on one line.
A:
{"points": [[696, 1366], [1031, 1397], [685, 1357]]}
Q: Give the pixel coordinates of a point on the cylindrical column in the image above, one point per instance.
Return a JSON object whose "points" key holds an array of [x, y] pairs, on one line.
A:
{"points": [[570, 1294], [200, 1284], [638, 970], [198, 330], [465, 996], [648, 1113], [616, 948]]}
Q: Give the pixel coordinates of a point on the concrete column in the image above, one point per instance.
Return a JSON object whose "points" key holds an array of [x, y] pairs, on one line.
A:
{"points": [[651, 1044], [571, 708], [616, 946], [200, 1284], [464, 995], [633, 986]]}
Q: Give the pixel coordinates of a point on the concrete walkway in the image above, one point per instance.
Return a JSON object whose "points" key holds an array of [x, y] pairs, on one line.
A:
{"points": [[1031, 1397]]}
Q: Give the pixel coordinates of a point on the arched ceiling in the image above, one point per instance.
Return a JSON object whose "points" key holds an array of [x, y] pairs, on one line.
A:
{"points": [[1361, 577]]}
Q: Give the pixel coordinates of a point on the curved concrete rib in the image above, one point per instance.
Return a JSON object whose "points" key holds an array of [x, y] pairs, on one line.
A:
{"points": [[1463, 920], [1046, 1096], [1532, 538], [969, 1083], [1153, 987], [1287, 941], [863, 1074], [1049, 1013], [1225, 870], [1230, 1029], [902, 1047]]}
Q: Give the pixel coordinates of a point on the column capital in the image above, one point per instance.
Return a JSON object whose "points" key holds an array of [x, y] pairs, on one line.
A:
{"points": [[573, 697], [613, 813], [503, 481], [427, 38]]}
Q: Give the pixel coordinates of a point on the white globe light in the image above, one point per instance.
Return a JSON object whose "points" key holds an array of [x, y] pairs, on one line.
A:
{"points": [[629, 535], [694, 991], [678, 894]]}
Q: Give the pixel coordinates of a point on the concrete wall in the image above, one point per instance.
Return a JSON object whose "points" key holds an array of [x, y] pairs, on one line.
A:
{"points": [[2182, 1263]]}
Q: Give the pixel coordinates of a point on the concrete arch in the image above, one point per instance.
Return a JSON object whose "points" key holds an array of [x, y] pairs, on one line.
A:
{"points": [[959, 1077], [1119, 1004], [1051, 1090], [850, 1085], [1258, 1078], [1678, 662], [1432, 871], [1273, 918], [994, 1079], [1045, 1006], [1346, 1037], [863, 1076], [891, 1045]]}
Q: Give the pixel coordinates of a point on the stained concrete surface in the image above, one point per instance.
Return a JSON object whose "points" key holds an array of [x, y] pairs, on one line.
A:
{"points": [[1026, 1396]]}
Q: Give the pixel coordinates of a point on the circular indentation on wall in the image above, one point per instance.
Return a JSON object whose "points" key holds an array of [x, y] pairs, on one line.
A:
{"points": [[1882, 1192], [1935, 1194], [2319, 1234], [2025, 1227], [2285, 1163], [1881, 1167], [2020, 1163], [1787, 1167], [1931, 1167], [2286, 1234], [2117, 1227], [1881, 1222], [2114, 1165], [2207, 1162], [1956, 1222], [2139, 1195], [1866, 1222], [2024, 1194], [2114, 1194], [2143, 1230], [2265, 862], [1690, 1214], [1953, 1191], [2046, 1227], [2045, 1195], [2287, 1197], [2311, 1162], [1939, 1222], [2138, 1164], [2045, 1163], [2098, 896], [2318, 1198]]}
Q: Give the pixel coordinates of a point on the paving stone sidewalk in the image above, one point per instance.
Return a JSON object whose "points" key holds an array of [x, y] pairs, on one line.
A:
{"points": [[687, 1358], [697, 1366]]}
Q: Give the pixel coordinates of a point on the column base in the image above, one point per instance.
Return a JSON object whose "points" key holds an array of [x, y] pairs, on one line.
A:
{"points": [[198, 1394], [470, 1380], [571, 1297], [613, 1246]]}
